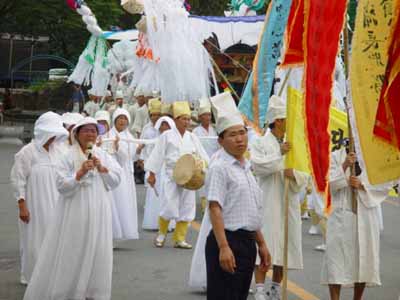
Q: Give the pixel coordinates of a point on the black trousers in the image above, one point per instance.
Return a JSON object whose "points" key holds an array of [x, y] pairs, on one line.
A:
{"points": [[222, 285]]}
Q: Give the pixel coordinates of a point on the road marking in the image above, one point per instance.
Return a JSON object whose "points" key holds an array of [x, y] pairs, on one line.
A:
{"points": [[292, 287]]}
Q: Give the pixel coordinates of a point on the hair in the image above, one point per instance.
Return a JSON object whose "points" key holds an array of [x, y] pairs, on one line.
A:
{"points": [[271, 125]]}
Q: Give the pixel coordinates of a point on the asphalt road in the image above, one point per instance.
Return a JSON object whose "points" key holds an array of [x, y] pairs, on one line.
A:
{"points": [[142, 272]]}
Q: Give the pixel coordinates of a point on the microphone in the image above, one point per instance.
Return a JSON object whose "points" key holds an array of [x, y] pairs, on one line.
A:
{"points": [[89, 150]]}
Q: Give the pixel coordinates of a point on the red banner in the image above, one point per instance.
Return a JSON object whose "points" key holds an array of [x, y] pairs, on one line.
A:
{"points": [[323, 25], [387, 123], [294, 54]]}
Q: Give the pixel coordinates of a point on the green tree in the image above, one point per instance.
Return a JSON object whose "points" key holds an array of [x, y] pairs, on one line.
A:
{"points": [[53, 18]]}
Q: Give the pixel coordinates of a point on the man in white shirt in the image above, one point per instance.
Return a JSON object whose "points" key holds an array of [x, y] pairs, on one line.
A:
{"points": [[92, 106], [141, 116], [119, 102], [235, 209]]}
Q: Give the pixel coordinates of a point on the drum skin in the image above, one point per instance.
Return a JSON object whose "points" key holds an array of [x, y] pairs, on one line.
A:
{"points": [[189, 172]]}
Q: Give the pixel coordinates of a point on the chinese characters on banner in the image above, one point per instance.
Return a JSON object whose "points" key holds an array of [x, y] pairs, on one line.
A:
{"points": [[367, 73]]}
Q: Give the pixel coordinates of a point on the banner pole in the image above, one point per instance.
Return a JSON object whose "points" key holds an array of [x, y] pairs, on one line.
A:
{"points": [[351, 138]]}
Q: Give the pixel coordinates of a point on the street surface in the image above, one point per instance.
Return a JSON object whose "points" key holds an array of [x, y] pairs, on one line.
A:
{"points": [[142, 272]]}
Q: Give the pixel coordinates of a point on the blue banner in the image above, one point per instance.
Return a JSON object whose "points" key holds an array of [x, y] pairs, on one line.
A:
{"points": [[254, 101]]}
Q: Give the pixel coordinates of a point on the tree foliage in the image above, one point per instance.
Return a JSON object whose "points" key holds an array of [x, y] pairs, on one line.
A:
{"points": [[55, 19]]}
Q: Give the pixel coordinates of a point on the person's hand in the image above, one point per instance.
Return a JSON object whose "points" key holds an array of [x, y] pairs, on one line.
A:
{"points": [[151, 179], [289, 173], [265, 256], [285, 147], [227, 259], [351, 158], [99, 142], [116, 144], [355, 183], [86, 167], [139, 149], [24, 214], [140, 164], [98, 165]]}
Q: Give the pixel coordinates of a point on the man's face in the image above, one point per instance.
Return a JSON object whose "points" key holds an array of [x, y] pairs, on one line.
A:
{"points": [[182, 122], [141, 100], [205, 119], [235, 140], [119, 101], [154, 117], [281, 125]]}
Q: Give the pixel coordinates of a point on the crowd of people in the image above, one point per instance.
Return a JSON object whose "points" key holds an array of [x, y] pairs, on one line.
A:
{"points": [[76, 191]]}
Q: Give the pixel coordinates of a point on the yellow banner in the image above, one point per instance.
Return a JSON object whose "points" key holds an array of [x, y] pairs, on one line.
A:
{"points": [[367, 70], [298, 158]]}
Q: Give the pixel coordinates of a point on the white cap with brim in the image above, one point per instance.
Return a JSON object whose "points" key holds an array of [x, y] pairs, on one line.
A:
{"points": [[119, 94], [276, 109], [71, 118], [204, 106], [121, 112], [103, 115], [225, 112], [227, 121], [83, 122]]}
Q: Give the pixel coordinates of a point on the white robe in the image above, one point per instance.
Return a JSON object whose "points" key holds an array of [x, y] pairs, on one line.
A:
{"points": [[33, 177], [352, 253], [210, 145], [177, 203], [141, 119], [91, 108], [198, 270], [125, 216], [268, 165], [75, 260], [152, 203]]}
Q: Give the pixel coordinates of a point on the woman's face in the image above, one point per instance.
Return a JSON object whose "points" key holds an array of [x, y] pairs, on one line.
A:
{"points": [[164, 126], [121, 123], [87, 134]]}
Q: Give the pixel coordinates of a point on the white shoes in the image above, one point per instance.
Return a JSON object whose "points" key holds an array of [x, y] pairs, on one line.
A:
{"points": [[260, 295], [314, 230], [183, 245], [321, 248], [273, 294]]}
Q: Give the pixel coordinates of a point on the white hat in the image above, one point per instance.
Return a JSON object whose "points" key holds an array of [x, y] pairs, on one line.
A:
{"points": [[119, 94], [47, 126], [204, 106], [226, 112], [276, 109], [102, 115], [120, 112], [71, 118], [83, 122], [226, 121]]}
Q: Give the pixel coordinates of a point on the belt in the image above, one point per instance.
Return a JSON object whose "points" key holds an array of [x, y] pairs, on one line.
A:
{"points": [[242, 234]]}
